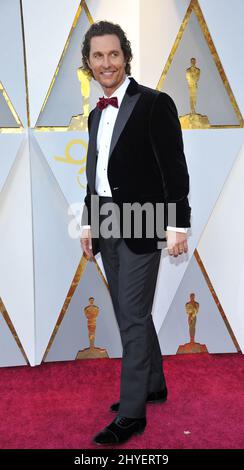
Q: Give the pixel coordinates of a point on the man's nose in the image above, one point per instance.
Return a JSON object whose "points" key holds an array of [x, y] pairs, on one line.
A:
{"points": [[106, 61]]}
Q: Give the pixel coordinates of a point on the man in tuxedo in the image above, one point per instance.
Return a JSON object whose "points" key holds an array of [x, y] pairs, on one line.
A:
{"points": [[135, 156]]}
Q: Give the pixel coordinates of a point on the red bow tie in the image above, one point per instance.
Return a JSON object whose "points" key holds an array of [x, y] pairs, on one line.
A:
{"points": [[104, 102]]}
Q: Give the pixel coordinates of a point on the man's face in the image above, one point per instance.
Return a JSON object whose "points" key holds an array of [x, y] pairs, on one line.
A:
{"points": [[107, 62]]}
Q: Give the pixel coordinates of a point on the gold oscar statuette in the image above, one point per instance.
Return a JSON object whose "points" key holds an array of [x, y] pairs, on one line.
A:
{"points": [[192, 308], [91, 312], [193, 120]]}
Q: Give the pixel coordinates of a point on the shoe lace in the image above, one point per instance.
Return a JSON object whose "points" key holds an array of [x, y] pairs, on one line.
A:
{"points": [[123, 421]]}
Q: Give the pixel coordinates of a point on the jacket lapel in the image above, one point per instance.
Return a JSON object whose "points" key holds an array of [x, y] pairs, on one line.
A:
{"points": [[127, 105], [92, 150]]}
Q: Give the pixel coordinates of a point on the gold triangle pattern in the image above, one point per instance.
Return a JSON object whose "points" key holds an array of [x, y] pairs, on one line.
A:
{"points": [[216, 300], [84, 84], [12, 329], [75, 282], [19, 127], [195, 7]]}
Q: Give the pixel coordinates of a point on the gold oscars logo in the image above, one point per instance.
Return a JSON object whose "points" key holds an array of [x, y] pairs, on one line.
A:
{"points": [[91, 312], [68, 158], [193, 120], [79, 123], [192, 308]]}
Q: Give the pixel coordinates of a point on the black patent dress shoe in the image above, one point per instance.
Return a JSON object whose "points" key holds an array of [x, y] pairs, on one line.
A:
{"points": [[153, 397], [120, 430]]}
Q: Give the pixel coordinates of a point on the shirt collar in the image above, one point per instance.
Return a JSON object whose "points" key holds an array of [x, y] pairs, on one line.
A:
{"points": [[120, 92]]}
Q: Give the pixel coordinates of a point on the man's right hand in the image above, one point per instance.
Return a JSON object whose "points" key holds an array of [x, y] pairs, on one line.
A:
{"points": [[86, 242]]}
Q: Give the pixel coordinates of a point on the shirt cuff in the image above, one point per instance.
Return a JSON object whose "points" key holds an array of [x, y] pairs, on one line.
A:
{"points": [[177, 229]]}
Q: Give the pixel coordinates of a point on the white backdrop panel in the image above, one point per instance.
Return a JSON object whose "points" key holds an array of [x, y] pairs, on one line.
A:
{"points": [[225, 23], [61, 144], [218, 106], [10, 354], [210, 327], [72, 335], [221, 250], [152, 29], [7, 118], [65, 98], [160, 21], [9, 146], [12, 71], [47, 26], [56, 254], [16, 251], [210, 156]]}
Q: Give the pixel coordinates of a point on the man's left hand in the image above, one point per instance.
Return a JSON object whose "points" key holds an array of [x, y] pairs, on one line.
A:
{"points": [[176, 242]]}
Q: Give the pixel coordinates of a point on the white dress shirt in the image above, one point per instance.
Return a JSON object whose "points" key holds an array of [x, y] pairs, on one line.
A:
{"points": [[104, 136]]}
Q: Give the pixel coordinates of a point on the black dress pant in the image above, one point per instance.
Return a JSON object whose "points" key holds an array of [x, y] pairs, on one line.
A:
{"points": [[132, 280]]}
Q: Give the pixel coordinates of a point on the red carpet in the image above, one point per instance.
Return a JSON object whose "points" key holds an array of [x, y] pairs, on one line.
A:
{"points": [[62, 405]]}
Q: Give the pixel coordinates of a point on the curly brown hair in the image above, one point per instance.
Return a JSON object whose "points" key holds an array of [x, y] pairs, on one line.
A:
{"points": [[101, 28]]}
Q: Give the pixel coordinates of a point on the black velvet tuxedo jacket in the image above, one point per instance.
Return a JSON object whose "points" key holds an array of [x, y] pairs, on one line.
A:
{"points": [[146, 160]]}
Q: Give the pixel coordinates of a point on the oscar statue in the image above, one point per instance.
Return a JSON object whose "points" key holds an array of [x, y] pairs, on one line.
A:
{"points": [[192, 308], [91, 312], [79, 122], [193, 120]]}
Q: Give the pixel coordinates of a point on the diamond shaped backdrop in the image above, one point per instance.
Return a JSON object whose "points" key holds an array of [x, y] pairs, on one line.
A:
{"points": [[45, 283]]}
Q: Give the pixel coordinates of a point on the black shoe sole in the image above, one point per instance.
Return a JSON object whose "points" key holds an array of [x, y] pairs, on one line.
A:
{"points": [[136, 433]]}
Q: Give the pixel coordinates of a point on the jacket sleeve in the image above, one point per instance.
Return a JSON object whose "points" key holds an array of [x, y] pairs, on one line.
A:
{"points": [[86, 213], [167, 142]]}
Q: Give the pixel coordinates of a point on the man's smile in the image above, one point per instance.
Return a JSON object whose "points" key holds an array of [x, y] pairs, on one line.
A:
{"points": [[108, 74]]}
